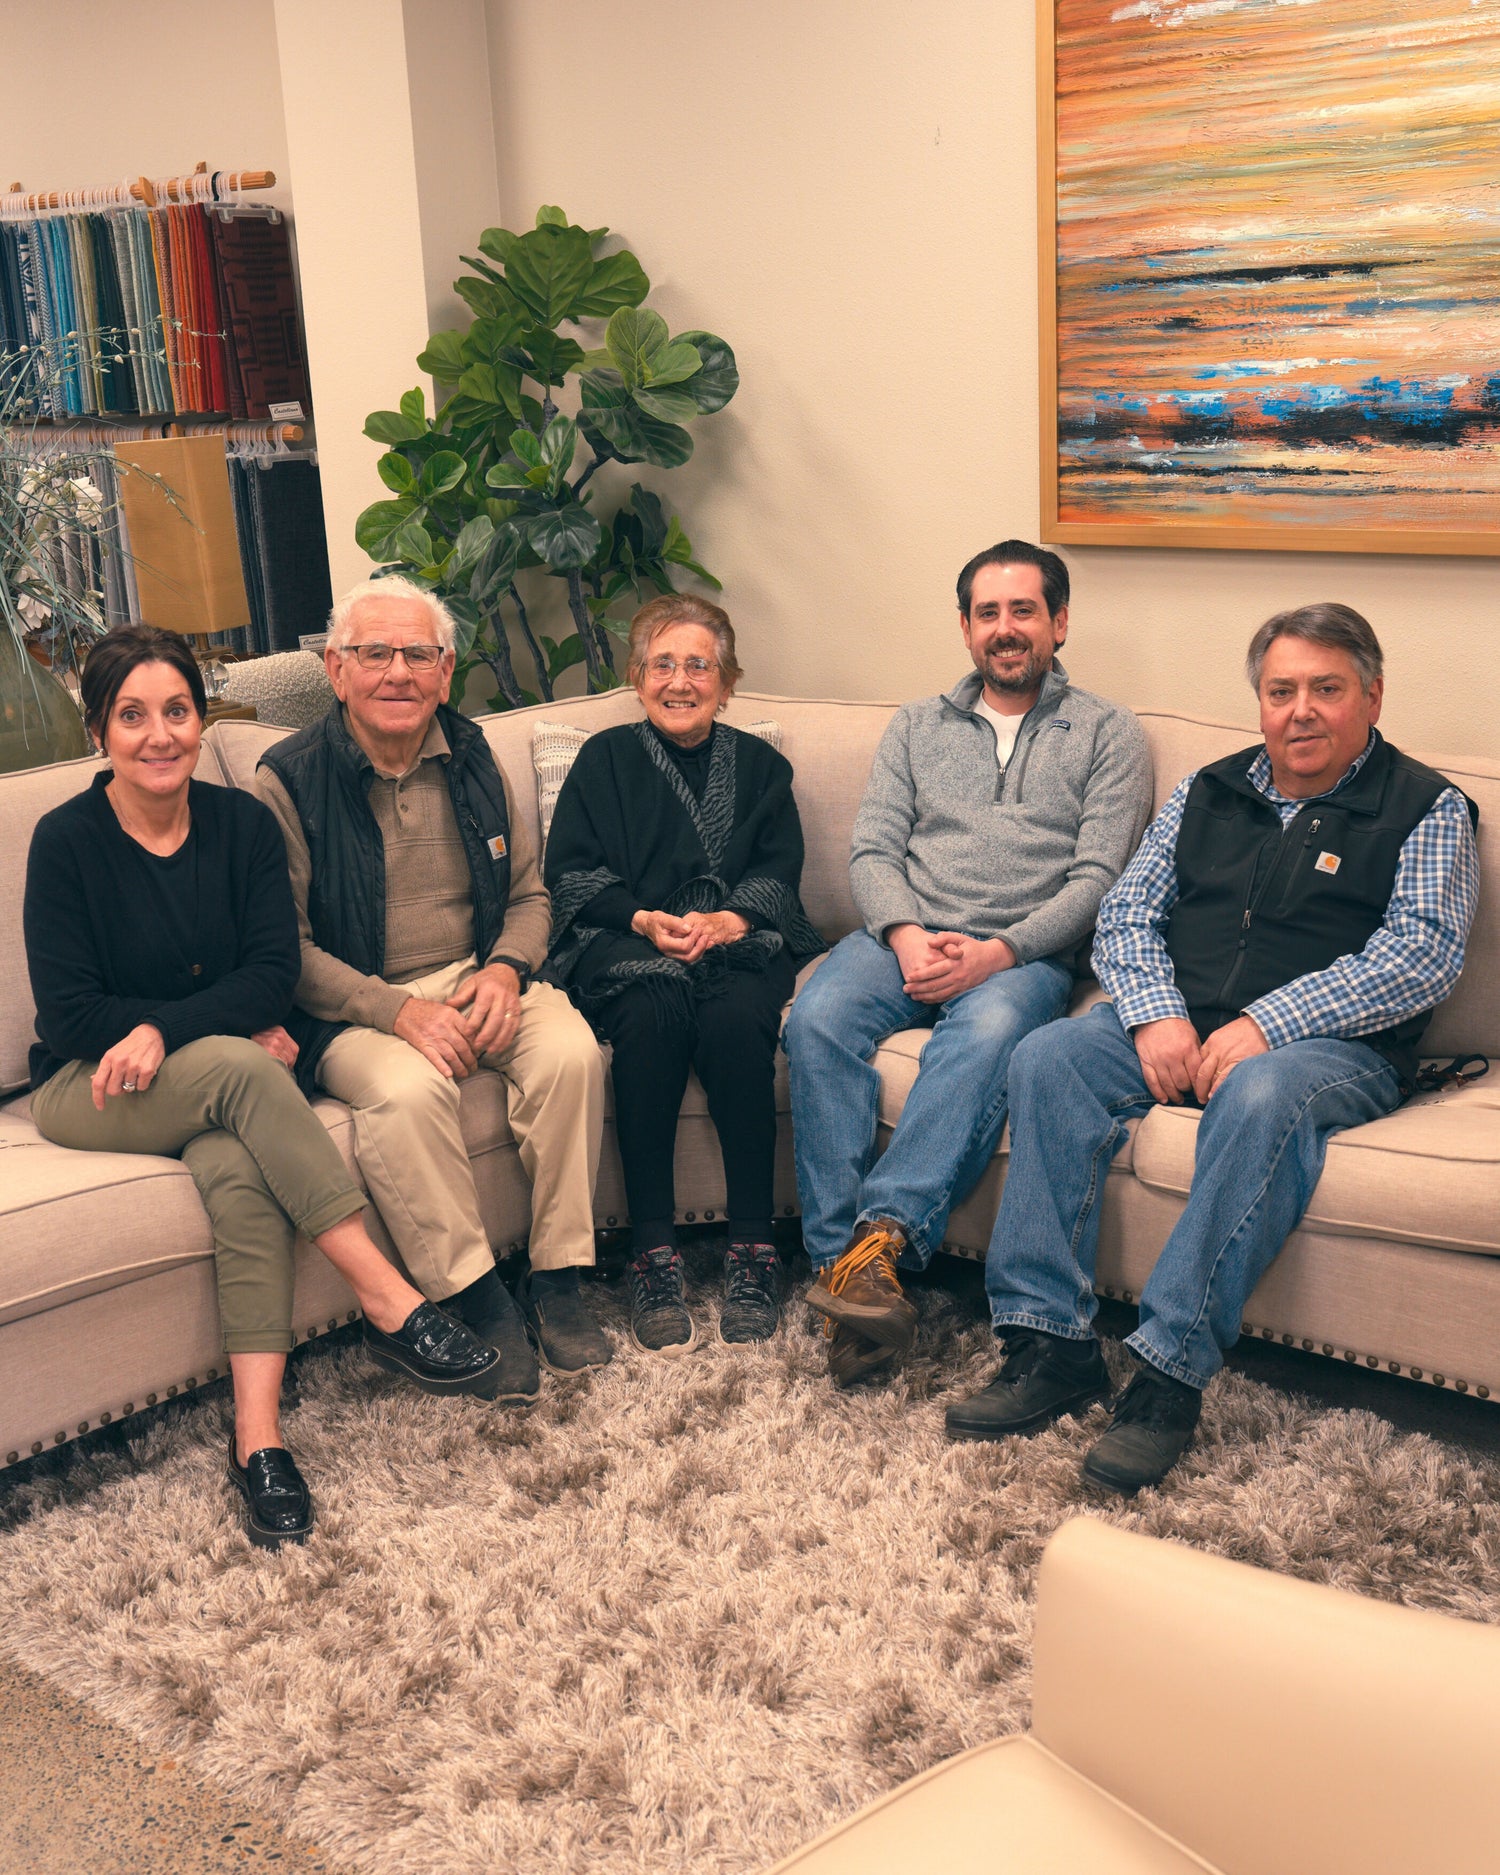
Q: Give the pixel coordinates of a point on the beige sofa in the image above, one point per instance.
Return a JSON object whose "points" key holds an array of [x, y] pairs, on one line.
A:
{"points": [[107, 1299], [1163, 1740]]}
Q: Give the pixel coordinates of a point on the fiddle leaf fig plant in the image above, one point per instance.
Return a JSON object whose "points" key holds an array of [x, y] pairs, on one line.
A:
{"points": [[493, 489]]}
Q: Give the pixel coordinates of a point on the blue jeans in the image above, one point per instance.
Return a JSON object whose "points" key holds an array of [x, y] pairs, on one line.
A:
{"points": [[951, 1123], [1259, 1155]]}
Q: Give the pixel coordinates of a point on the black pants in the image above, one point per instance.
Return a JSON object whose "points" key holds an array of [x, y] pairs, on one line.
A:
{"points": [[730, 1041]]}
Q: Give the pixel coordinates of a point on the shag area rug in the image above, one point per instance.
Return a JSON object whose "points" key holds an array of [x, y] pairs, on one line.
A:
{"points": [[680, 1616]]}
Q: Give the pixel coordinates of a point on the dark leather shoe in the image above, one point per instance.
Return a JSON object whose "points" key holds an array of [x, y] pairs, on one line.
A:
{"points": [[1041, 1378], [278, 1508], [1153, 1426], [862, 1291], [437, 1353], [518, 1382], [562, 1325]]}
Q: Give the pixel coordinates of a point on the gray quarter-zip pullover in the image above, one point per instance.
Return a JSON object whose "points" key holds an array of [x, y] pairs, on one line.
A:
{"points": [[947, 839]]}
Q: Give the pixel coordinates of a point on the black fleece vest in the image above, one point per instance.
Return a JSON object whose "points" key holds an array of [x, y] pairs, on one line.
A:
{"points": [[328, 776], [1260, 905]]}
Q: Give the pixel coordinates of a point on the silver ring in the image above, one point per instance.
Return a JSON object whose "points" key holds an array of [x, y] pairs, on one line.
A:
{"points": [[128, 1086]]}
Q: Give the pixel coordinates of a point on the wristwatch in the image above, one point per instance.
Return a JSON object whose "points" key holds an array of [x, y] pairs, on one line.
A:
{"points": [[523, 971]]}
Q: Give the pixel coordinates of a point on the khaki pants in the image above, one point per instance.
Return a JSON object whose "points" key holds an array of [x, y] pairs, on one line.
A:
{"points": [[260, 1157], [411, 1150]]}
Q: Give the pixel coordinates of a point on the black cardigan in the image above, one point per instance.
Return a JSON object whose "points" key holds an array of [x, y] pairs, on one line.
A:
{"points": [[103, 960]]}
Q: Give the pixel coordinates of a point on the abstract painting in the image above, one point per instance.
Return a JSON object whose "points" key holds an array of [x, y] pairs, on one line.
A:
{"points": [[1271, 273]]}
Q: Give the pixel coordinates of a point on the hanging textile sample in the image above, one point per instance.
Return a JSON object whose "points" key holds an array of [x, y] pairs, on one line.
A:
{"points": [[258, 298]]}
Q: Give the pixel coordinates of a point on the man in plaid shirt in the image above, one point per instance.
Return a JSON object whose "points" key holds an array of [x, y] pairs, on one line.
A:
{"points": [[1274, 952]]}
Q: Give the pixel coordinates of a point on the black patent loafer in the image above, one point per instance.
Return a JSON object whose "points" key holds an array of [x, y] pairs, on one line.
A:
{"points": [[278, 1506], [435, 1353], [1041, 1378]]}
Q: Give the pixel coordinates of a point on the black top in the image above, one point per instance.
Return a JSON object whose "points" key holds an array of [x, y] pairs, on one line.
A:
{"points": [[615, 907], [201, 943]]}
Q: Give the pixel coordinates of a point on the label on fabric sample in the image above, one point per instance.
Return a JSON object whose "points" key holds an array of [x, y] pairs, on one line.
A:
{"points": [[286, 413]]}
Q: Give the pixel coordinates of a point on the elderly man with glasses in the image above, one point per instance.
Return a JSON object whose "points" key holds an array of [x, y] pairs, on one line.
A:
{"points": [[423, 917]]}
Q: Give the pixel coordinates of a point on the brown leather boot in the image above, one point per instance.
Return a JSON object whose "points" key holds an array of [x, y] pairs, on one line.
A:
{"points": [[853, 1357], [861, 1290]]}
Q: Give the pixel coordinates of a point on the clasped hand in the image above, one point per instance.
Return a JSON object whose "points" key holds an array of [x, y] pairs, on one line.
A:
{"points": [[689, 937], [937, 965], [1177, 1067], [482, 1014]]}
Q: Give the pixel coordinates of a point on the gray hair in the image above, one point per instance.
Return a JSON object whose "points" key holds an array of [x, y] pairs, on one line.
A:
{"points": [[1339, 627], [392, 587]]}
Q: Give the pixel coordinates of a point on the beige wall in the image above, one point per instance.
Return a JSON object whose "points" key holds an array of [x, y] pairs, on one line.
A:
{"points": [[98, 92], [846, 192]]}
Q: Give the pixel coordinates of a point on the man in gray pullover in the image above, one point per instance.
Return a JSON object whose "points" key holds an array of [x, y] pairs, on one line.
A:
{"points": [[995, 820]]}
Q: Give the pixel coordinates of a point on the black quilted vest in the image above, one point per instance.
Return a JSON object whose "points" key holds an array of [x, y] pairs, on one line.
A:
{"points": [[1260, 905], [328, 776]]}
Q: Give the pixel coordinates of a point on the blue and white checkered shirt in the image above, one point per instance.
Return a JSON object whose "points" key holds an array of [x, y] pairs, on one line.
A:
{"points": [[1410, 964]]}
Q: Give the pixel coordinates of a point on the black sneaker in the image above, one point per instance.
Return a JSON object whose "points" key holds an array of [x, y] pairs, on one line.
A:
{"points": [[752, 1293], [1041, 1377], [659, 1319], [439, 1354], [560, 1322], [278, 1508], [1152, 1428]]}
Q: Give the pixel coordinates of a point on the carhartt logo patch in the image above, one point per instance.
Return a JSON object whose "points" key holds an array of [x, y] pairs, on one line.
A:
{"points": [[1327, 862], [498, 849]]}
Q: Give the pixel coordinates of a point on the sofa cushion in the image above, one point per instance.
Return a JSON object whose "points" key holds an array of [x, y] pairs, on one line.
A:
{"points": [[1427, 1174], [75, 1223]]}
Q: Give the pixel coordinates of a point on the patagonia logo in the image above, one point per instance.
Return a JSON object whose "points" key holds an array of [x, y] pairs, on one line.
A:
{"points": [[1327, 862], [1061, 722], [498, 847]]}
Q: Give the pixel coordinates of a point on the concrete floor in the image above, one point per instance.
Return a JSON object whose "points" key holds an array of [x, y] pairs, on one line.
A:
{"points": [[79, 1794]]}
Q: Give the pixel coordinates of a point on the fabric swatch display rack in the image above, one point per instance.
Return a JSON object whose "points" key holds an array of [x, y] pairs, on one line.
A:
{"points": [[153, 297], [136, 316]]}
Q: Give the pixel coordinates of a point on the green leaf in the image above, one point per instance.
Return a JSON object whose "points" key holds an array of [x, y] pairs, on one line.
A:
{"points": [[673, 363], [565, 537], [491, 338], [616, 281], [634, 336], [655, 529], [443, 471], [396, 472], [527, 447], [548, 358], [551, 217], [444, 357], [559, 441], [547, 269], [509, 474], [672, 405], [473, 539], [615, 427], [380, 521], [562, 657], [493, 388], [719, 379], [391, 426], [490, 299], [500, 244], [414, 408], [413, 544]]}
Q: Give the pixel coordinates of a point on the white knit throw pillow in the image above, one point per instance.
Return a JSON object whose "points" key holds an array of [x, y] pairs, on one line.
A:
{"points": [[555, 746]]}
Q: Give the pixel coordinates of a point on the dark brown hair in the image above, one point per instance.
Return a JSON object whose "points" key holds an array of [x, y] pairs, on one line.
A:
{"points": [[1054, 572], [117, 654], [683, 608]]}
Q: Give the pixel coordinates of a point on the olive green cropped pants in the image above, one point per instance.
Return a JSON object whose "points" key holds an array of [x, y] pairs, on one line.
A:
{"points": [[260, 1157]]}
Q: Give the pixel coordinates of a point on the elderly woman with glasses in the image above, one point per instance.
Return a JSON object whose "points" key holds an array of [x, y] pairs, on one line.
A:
{"points": [[674, 862]]}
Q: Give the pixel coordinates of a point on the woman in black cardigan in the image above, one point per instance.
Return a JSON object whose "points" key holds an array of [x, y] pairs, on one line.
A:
{"points": [[674, 861], [162, 943]]}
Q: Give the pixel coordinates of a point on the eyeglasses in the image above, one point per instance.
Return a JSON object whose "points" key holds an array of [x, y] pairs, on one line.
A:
{"points": [[697, 670], [377, 657]]}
